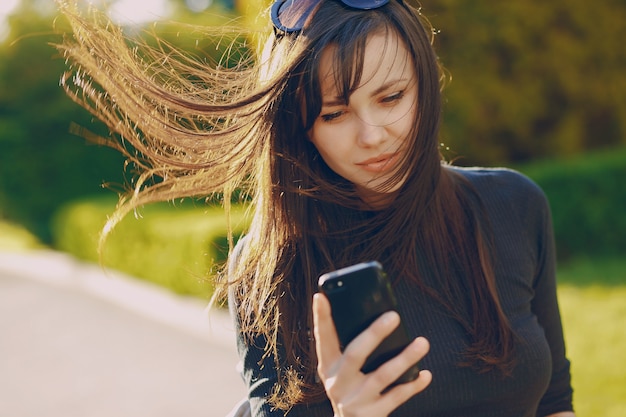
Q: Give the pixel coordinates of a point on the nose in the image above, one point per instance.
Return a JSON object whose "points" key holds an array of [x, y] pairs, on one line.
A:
{"points": [[371, 134]]}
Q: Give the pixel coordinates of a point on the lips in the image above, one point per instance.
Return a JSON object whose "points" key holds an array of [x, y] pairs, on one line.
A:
{"points": [[379, 163]]}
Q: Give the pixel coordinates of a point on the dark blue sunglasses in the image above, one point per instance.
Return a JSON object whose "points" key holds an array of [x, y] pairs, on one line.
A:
{"points": [[291, 15]]}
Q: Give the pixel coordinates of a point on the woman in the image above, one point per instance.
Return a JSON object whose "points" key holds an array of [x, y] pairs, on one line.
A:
{"points": [[333, 132]]}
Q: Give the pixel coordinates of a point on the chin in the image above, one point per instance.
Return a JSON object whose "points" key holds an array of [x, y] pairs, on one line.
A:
{"points": [[377, 198]]}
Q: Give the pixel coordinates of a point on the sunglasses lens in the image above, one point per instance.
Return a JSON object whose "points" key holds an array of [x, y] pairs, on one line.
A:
{"points": [[291, 15], [365, 4]]}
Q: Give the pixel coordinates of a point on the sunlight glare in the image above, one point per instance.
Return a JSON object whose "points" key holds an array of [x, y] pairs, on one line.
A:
{"points": [[139, 11], [6, 8]]}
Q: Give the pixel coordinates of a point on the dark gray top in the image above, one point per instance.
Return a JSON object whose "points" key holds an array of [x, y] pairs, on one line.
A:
{"points": [[525, 274]]}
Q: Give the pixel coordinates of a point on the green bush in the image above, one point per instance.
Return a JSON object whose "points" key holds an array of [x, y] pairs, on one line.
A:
{"points": [[587, 195], [14, 237], [175, 247]]}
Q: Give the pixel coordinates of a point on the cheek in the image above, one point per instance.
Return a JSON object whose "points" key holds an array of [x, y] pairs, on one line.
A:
{"points": [[333, 152], [405, 125], [328, 152], [322, 138]]}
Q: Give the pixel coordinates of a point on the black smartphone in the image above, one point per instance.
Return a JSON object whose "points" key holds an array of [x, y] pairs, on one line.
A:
{"points": [[358, 295]]}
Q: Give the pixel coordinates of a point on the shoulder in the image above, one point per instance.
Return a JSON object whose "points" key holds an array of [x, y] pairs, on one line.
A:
{"points": [[502, 185], [508, 196], [503, 178]]}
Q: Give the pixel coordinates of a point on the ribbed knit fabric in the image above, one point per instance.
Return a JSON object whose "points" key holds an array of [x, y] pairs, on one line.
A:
{"points": [[525, 274]]}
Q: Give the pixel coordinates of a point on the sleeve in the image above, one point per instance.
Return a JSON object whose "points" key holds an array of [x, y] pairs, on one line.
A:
{"points": [[260, 375], [258, 369], [558, 396], [257, 372]]}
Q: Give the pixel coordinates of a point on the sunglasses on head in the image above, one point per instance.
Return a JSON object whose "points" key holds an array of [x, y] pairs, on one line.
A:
{"points": [[291, 15]]}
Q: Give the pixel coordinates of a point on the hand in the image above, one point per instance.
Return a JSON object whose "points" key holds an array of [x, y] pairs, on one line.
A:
{"points": [[351, 392]]}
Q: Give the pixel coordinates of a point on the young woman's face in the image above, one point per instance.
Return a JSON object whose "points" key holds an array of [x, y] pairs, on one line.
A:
{"points": [[365, 139]]}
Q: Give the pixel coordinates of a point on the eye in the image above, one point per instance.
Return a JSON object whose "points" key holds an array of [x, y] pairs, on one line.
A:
{"points": [[393, 98], [329, 117]]}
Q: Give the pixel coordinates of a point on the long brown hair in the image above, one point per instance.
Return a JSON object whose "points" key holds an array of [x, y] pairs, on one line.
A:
{"points": [[246, 128]]}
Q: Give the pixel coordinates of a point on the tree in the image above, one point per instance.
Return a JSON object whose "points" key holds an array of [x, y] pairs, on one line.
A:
{"points": [[42, 165], [530, 78]]}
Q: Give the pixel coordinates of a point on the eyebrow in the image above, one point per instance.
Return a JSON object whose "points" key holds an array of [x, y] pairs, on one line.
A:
{"points": [[337, 100]]}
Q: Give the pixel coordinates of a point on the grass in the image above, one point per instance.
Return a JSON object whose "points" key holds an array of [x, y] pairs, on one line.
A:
{"points": [[592, 296]]}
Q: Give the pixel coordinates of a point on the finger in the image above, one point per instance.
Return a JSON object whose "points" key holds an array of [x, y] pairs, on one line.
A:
{"points": [[362, 346], [395, 367], [326, 340], [401, 393]]}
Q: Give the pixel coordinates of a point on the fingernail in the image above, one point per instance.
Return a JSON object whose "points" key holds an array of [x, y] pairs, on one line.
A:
{"points": [[421, 342], [389, 317]]}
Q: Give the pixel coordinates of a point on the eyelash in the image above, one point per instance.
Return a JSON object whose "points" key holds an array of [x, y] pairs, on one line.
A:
{"points": [[388, 100], [332, 116], [393, 98]]}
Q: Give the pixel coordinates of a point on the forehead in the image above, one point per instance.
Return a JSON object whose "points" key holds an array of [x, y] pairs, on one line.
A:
{"points": [[385, 57]]}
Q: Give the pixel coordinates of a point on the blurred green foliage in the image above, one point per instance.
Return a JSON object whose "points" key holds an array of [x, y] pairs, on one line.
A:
{"points": [[531, 80], [15, 238], [587, 195], [41, 164], [176, 247]]}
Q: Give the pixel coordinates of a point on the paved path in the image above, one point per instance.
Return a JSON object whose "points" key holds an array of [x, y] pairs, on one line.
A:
{"points": [[76, 342]]}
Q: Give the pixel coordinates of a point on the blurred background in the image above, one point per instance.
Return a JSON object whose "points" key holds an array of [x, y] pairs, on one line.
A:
{"points": [[537, 86]]}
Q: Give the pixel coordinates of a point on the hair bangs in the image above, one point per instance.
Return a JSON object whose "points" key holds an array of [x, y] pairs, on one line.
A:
{"points": [[348, 59]]}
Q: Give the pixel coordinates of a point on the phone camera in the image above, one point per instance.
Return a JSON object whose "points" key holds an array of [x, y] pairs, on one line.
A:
{"points": [[334, 285]]}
